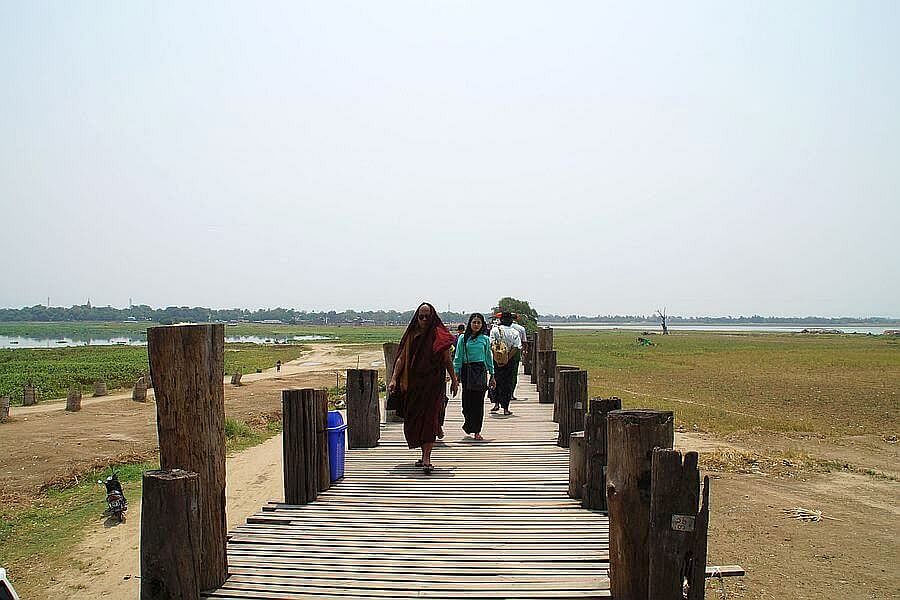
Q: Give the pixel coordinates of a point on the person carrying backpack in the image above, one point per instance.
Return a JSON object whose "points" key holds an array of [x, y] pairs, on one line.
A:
{"points": [[506, 348]]}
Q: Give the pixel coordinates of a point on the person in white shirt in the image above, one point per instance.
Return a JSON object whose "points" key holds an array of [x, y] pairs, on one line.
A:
{"points": [[505, 375]]}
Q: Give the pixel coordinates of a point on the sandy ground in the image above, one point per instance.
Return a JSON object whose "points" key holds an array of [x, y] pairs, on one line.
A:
{"points": [[852, 552]]}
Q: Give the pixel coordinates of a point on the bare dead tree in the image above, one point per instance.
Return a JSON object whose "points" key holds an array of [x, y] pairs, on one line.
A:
{"points": [[662, 318]]}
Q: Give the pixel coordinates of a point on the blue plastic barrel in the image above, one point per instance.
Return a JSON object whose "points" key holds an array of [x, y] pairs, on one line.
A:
{"points": [[336, 444]]}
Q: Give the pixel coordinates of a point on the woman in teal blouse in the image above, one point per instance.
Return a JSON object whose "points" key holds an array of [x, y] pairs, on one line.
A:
{"points": [[474, 363]]}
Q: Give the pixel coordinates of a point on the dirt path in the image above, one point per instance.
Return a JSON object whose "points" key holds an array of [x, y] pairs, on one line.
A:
{"points": [[109, 558], [45, 443]]}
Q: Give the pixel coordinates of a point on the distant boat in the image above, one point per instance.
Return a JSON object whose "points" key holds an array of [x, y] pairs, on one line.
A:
{"points": [[13, 342], [60, 341], [121, 343]]}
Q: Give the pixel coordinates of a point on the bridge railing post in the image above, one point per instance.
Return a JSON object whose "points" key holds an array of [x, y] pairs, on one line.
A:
{"points": [[300, 441], [678, 529], [390, 350], [556, 393], [632, 434], [546, 376], [170, 535], [187, 367], [363, 413], [573, 404], [596, 453]]}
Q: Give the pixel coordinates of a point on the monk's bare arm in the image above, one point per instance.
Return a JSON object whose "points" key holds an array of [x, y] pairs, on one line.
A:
{"points": [[448, 365]]}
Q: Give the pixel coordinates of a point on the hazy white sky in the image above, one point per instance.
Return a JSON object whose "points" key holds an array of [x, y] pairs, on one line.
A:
{"points": [[593, 158]]}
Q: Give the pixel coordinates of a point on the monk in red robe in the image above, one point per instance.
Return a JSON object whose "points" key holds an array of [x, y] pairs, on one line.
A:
{"points": [[418, 378]]}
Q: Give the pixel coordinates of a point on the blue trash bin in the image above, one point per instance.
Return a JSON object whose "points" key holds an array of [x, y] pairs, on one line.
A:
{"points": [[336, 444]]}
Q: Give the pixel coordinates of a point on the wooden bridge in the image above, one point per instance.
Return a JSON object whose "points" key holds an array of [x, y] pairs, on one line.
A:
{"points": [[492, 521]]}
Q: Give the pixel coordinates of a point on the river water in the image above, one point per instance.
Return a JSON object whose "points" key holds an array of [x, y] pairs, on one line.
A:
{"points": [[64, 342]]}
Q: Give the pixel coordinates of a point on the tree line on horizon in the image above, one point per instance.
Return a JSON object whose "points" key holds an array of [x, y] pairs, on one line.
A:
{"points": [[529, 317]]}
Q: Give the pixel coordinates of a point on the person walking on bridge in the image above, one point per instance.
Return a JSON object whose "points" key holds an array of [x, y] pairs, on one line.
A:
{"points": [[418, 378], [473, 363], [506, 373]]}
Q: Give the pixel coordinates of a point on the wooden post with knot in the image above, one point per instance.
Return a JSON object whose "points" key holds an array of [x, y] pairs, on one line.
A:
{"points": [[546, 376], [170, 535], [187, 364], [596, 452], [139, 392], [29, 395], [678, 528], [573, 404], [73, 399], [390, 350], [300, 445], [556, 389], [633, 434], [363, 413]]}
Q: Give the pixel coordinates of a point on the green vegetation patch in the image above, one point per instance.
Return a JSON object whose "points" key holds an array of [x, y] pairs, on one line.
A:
{"points": [[53, 370], [34, 541], [823, 384]]}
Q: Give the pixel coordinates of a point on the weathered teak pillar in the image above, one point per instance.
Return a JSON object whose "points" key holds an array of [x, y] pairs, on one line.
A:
{"points": [[576, 464], [546, 376], [573, 400], [100, 388], [73, 399], [4, 408], [633, 434], [170, 535], [678, 530], [527, 359], [139, 393], [363, 415], [546, 338], [596, 454], [187, 364], [236, 378], [300, 445], [556, 388], [535, 347], [390, 357], [29, 396], [321, 400]]}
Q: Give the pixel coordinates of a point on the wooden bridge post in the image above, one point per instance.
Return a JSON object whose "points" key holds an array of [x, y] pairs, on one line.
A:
{"points": [[170, 535], [139, 393], [546, 376], [390, 357], [576, 464], [535, 347], [187, 364], [678, 531], [4, 408], [236, 378], [596, 454], [300, 445], [29, 396], [633, 434], [324, 477], [363, 415], [73, 399], [527, 359], [100, 388], [573, 404], [556, 388]]}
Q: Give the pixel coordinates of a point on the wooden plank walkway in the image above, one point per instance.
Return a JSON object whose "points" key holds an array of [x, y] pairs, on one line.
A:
{"points": [[492, 521]]}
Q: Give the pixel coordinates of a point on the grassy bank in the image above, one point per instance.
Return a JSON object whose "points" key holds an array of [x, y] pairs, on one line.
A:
{"points": [[53, 370], [36, 540], [87, 330], [724, 383]]}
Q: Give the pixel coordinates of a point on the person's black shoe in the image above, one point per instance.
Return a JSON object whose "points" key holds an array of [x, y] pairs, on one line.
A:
{"points": [[496, 408]]}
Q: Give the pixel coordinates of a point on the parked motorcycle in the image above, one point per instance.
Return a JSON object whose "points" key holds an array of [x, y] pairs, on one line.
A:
{"points": [[116, 504]]}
